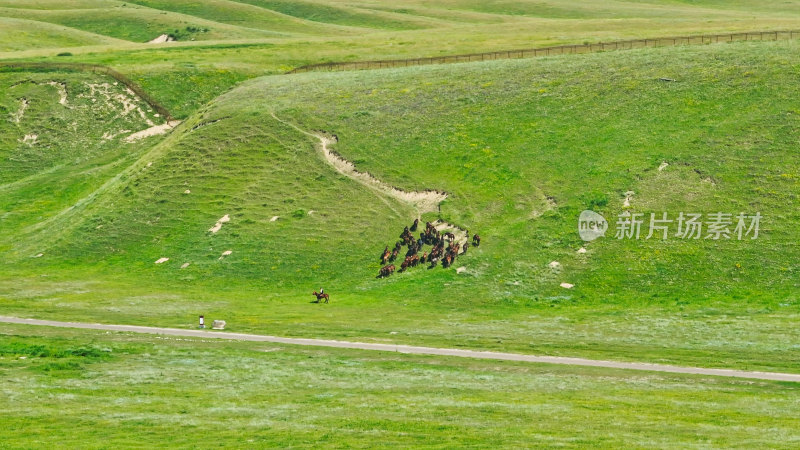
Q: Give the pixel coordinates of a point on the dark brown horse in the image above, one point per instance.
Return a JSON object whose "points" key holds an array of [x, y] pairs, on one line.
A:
{"points": [[448, 259], [405, 235], [476, 240], [321, 296], [386, 271]]}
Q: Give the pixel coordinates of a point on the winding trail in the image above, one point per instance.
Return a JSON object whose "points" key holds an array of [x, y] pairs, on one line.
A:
{"points": [[771, 376], [422, 201]]}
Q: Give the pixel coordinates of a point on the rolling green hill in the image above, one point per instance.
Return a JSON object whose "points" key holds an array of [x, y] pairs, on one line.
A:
{"points": [[246, 39], [25, 34], [268, 186], [521, 147]]}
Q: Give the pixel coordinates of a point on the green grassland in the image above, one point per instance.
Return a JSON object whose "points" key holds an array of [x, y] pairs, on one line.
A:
{"points": [[98, 390], [22, 34], [521, 147], [137, 24], [258, 37], [77, 144]]}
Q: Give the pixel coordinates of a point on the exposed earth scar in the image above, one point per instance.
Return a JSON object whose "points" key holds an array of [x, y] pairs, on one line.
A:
{"points": [[422, 201]]}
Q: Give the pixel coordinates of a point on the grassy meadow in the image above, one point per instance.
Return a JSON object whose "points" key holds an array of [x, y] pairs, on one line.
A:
{"points": [[98, 390], [521, 147], [221, 42]]}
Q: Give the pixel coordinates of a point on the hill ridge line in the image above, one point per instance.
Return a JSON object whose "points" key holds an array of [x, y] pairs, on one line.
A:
{"points": [[416, 350], [667, 41]]}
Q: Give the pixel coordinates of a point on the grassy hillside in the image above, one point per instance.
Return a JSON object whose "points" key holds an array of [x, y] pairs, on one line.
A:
{"points": [[237, 211], [24, 34], [62, 135], [99, 390], [258, 37], [521, 147], [137, 24]]}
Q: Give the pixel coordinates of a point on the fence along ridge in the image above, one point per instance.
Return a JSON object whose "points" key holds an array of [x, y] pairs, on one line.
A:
{"points": [[665, 41], [95, 68]]}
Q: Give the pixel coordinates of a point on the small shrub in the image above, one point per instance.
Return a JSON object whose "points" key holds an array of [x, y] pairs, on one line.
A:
{"points": [[595, 200]]}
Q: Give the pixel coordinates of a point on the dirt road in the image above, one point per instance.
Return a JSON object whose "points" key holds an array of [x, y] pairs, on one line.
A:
{"points": [[414, 349]]}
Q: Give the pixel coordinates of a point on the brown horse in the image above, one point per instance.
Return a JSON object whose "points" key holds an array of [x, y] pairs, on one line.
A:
{"points": [[321, 296], [448, 259], [476, 240], [386, 271], [385, 256], [414, 260], [405, 235]]}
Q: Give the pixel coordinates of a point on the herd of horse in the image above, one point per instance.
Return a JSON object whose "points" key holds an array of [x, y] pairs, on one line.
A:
{"points": [[444, 248]]}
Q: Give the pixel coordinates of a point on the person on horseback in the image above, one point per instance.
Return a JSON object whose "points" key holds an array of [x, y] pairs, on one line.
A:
{"points": [[320, 296]]}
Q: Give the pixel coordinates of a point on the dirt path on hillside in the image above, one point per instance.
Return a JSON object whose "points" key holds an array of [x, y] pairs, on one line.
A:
{"points": [[772, 376], [422, 201]]}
